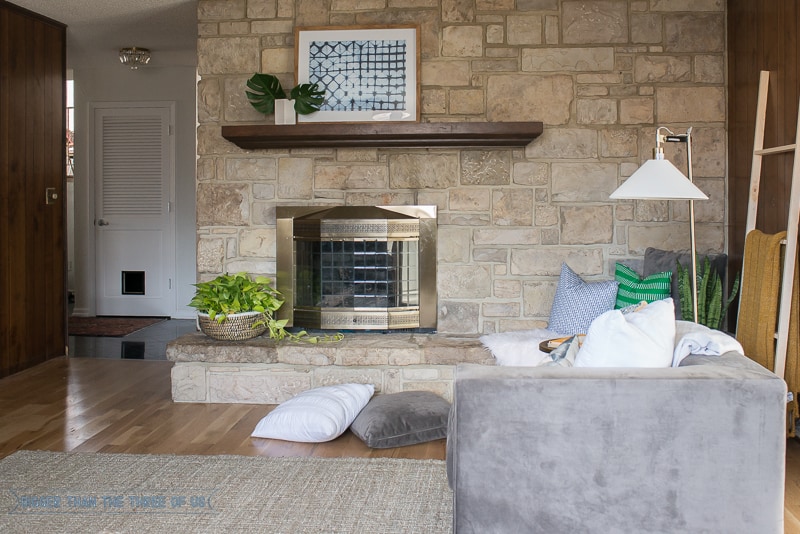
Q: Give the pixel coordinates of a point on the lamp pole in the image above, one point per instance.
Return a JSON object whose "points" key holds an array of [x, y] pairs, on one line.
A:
{"points": [[659, 154]]}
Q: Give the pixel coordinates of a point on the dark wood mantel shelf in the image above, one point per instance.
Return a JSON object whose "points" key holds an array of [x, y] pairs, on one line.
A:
{"points": [[384, 135]]}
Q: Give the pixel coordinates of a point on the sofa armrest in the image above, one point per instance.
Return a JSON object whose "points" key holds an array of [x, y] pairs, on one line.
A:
{"points": [[698, 448]]}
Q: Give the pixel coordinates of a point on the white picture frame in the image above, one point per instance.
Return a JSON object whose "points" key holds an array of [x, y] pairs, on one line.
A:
{"points": [[369, 73]]}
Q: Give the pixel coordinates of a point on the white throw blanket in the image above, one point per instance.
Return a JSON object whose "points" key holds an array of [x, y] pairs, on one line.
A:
{"points": [[520, 348], [691, 338]]}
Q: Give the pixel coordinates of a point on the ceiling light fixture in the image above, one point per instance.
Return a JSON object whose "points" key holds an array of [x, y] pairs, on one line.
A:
{"points": [[134, 56]]}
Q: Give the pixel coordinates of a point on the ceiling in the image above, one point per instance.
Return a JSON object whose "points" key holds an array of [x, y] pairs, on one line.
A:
{"points": [[97, 29]]}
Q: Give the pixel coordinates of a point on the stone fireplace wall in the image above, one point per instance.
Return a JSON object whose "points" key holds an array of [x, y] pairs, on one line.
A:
{"points": [[600, 74]]}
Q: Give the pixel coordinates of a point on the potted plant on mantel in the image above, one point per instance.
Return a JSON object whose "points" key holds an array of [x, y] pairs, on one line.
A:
{"points": [[267, 96], [237, 307]]}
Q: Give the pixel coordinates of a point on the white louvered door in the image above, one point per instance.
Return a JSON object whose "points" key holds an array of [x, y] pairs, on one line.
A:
{"points": [[134, 225]]}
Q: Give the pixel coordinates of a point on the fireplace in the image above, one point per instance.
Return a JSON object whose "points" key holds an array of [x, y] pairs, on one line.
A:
{"points": [[357, 267]]}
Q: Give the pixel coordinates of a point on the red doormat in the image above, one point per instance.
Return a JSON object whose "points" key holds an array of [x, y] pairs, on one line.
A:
{"points": [[109, 326]]}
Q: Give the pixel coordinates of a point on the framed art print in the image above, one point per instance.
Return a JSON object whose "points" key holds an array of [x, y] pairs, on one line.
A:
{"points": [[369, 73]]}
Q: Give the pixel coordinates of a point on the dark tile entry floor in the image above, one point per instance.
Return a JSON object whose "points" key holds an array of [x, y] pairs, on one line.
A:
{"points": [[146, 344]]}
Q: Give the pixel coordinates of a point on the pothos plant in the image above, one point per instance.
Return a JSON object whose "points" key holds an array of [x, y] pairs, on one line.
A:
{"points": [[266, 88], [239, 293], [711, 308]]}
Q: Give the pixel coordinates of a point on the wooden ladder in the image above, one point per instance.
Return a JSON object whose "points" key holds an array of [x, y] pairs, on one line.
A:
{"points": [[793, 224]]}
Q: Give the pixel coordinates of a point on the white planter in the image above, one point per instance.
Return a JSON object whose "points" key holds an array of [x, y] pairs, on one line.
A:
{"points": [[284, 111]]}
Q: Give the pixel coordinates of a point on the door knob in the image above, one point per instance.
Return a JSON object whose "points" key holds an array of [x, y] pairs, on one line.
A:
{"points": [[50, 195], [102, 222]]}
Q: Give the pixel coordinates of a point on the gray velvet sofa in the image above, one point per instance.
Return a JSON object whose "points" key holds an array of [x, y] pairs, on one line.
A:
{"points": [[698, 448]]}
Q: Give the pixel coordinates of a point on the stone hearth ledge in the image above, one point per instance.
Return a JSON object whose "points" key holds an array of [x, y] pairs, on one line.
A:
{"points": [[260, 371]]}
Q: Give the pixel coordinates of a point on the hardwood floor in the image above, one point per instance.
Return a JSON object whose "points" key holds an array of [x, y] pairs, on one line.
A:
{"points": [[105, 405]]}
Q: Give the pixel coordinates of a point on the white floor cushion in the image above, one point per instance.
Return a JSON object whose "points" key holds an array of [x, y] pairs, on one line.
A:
{"points": [[316, 415]]}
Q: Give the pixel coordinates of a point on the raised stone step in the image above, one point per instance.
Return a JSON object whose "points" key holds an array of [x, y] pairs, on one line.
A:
{"points": [[264, 372]]}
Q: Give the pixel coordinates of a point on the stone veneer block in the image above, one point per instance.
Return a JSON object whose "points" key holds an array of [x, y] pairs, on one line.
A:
{"points": [[695, 32], [512, 207], [464, 281], [529, 97], [296, 354], [228, 55], [209, 98], [458, 316], [690, 104], [584, 261], [422, 171], [446, 73], [250, 169], [457, 10], [595, 21], [257, 243], [198, 347], [351, 177], [189, 383], [564, 143], [451, 350], [567, 59], [503, 236], [222, 204], [253, 385], [220, 9], [485, 167], [688, 5], [262, 9], [462, 41], [537, 5], [468, 199], [587, 225], [661, 69], [524, 30], [583, 182], [210, 255]]}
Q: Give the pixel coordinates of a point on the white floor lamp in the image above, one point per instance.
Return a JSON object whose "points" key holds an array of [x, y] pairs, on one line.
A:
{"points": [[658, 179]]}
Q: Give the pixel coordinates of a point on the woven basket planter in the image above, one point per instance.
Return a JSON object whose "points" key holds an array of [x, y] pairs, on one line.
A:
{"points": [[235, 327]]}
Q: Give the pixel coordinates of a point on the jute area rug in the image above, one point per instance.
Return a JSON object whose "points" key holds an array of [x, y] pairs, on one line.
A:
{"points": [[87, 492]]}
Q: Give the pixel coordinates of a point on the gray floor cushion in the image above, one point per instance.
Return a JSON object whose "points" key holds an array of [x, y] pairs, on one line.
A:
{"points": [[399, 419]]}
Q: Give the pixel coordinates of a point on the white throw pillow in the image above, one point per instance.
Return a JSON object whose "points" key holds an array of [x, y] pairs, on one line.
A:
{"points": [[316, 415], [645, 338]]}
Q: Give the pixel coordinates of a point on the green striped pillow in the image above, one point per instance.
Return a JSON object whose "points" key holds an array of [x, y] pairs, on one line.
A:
{"points": [[633, 290]]}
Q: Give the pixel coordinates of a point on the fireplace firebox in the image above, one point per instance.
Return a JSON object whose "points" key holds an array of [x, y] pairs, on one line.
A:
{"points": [[357, 267]]}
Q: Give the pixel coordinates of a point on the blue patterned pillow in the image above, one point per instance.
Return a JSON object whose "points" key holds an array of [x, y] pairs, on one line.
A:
{"points": [[578, 303]]}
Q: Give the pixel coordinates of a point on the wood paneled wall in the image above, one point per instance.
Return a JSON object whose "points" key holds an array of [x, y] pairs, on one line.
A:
{"points": [[32, 159], [762, 35]]}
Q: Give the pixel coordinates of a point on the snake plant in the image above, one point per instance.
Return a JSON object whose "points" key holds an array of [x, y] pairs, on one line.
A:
{"points": [[711, 308]]}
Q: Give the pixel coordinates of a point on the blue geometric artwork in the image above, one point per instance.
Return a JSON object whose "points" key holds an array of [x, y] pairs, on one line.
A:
{"points": [[366, 75]]}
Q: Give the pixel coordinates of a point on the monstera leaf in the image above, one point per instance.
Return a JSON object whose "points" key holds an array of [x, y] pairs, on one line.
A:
{"points": [[308, 97], [265, 89]]}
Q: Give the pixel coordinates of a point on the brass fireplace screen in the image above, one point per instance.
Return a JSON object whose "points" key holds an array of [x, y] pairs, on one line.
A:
{"points": [[357, 267]]}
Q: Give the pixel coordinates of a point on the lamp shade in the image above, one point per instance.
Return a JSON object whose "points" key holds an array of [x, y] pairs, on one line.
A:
{"points": [[658, 179]]}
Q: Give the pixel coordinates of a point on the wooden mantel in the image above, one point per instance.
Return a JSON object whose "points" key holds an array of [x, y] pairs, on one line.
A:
{"points": [[384, 135]]}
